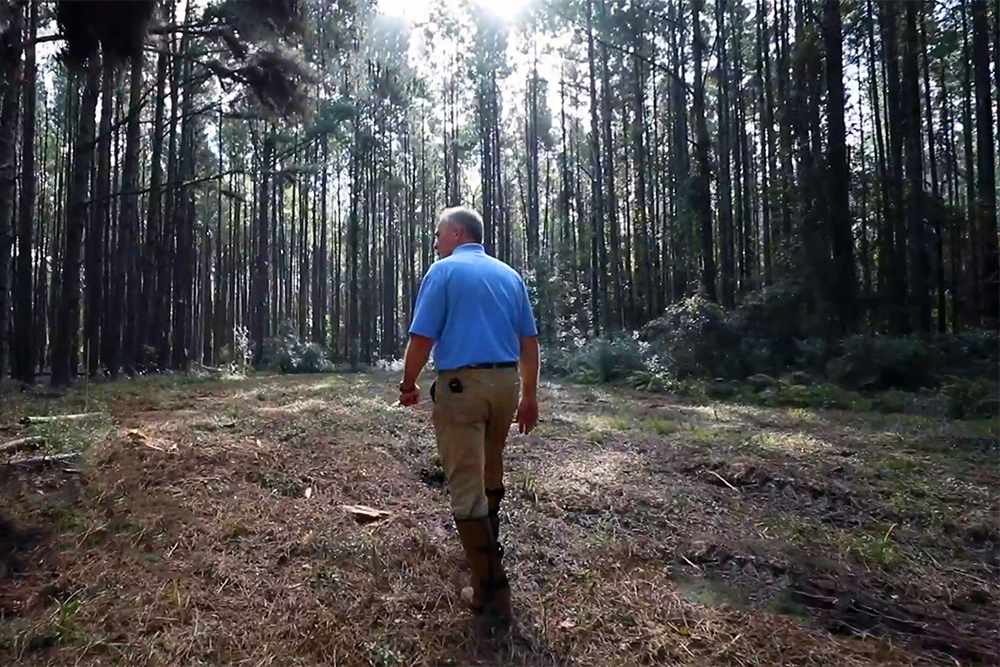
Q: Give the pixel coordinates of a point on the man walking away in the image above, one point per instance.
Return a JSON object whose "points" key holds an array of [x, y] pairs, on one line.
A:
{"points": [[474, 311]]}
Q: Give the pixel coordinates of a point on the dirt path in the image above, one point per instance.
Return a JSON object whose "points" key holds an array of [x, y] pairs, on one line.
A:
{"points": [[205, 526]]}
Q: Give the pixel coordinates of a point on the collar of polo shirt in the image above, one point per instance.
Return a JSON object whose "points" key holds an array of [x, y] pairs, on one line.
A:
{"points": [[469, 247]]}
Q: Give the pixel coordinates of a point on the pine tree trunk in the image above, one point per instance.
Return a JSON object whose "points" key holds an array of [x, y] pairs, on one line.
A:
{"points": [[65, 356], [895, 211], [166, 255], [955, 236], [598, 255], [785, 136], [986, 218], [838, 177], [918, 270], [767, 161], [11, 47], [937, 207], [184, 214], [129, 225], [101, 348], [152, 259], [970, 179], [23, 342], [640, 222], [261, 286], [611, 205], [725, 175], [701, 194], [680, 165]]}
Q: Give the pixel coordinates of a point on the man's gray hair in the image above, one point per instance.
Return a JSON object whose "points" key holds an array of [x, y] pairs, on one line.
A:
{"points": [[467, 219]]}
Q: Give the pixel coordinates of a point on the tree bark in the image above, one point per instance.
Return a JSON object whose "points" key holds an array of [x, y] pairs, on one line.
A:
{"points": [[970, 179], [261, 284], [65, 355], [701, 195], [895, 213], [838, 177], [11, 47], [24, 325], [129, 225], [725, 169], [598, 255], [986, 219], [918, 271], [937, 208], [101, 335]]}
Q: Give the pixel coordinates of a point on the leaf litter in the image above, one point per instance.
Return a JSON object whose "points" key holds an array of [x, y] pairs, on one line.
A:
{"points": [[276, 520]]}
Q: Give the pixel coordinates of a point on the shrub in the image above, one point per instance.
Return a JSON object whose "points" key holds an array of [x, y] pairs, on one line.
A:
{"points": [[818, 395], [599, 360], [285, 353], [881, 362], [699, 338], [970, 398], [973, 354]]}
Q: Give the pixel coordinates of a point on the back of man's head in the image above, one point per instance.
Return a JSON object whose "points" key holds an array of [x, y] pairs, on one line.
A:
{"points": [[467, 220]]}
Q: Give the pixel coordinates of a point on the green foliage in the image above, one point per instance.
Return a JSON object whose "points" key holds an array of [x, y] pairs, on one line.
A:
{"points": [[970, 398], [699, 338], [882, 362], [817, 395], [600, 360], [285, 353]]}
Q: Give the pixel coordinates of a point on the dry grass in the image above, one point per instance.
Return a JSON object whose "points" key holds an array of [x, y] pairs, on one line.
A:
{"points": [[204, 526]]}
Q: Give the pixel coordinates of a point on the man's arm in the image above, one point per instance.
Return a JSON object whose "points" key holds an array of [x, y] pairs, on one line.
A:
{"points": [[529, 363], [418, 349], [428, 321], [527, 411]]}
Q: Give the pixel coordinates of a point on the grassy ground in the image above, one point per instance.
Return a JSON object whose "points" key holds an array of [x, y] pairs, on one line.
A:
{"points": [[203, 524]]}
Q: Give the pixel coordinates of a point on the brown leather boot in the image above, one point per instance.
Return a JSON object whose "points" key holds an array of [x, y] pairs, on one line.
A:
{"points": [[493, 498], [490, 590]]}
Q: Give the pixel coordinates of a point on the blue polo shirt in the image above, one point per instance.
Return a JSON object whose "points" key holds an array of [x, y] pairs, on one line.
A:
{"points": [[475, 307]]}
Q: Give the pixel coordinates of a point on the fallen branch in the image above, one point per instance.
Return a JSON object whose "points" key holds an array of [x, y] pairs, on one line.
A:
{"points": [[53, 418], [45, 461], [21, 444], [724, 481]]}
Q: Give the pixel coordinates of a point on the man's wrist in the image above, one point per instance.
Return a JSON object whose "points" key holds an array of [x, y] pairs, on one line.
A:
{"points": [[407, 385]]}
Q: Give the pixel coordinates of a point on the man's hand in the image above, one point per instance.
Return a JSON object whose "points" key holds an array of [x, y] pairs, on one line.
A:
{"points": [[417, 350], [527, 414], [409, 395]]}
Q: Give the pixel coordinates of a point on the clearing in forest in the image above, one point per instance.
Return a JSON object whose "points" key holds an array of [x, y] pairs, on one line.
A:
{"points": [[205, 524]]}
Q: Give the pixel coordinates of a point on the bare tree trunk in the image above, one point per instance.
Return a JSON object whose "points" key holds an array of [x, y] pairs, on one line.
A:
{"points": [[838, 177], [102, 348], [986, 220], [11, 47], [937, 208], [129, 225], [65, 356], [261, 285], [24, 338], [970, 179], [149, 314], [725, 169], [598, 255], [918, 271], [701, 195]]}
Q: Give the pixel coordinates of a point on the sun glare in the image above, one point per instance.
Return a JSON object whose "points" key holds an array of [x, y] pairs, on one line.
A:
{"points": [[419, 10]]}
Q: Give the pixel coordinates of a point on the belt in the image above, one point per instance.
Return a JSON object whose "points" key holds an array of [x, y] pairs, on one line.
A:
{"points": [[486, 366]]}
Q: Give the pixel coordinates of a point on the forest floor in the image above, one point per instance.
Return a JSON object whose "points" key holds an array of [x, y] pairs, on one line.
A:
{"points": [[204, 524]]}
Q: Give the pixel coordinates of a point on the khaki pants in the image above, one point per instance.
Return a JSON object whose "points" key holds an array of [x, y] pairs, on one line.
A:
{"points": [[472, 426]]}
